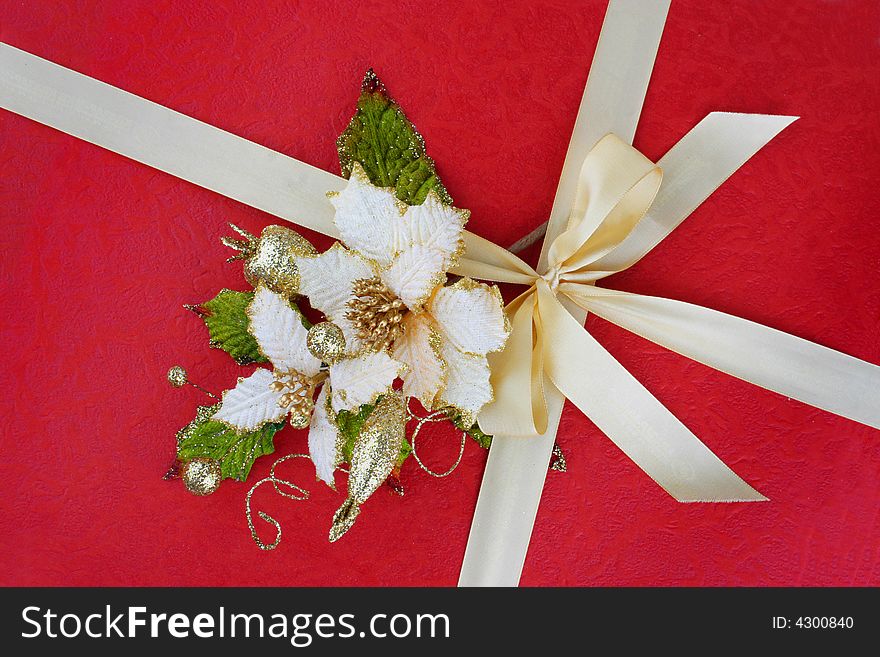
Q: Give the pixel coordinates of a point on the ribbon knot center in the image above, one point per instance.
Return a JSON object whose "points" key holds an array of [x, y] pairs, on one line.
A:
{"points": [[552, 278]]}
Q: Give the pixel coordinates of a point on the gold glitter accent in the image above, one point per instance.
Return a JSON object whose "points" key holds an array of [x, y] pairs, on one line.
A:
{"points": [[244, 247], [271, 259], [300, 419], [437, 416], [344, 518], [177, 376], [326, 342], [203, 414], [558, 462], [376, 313], [298, 493], [202, 476], [298, 394], [373, 457]]}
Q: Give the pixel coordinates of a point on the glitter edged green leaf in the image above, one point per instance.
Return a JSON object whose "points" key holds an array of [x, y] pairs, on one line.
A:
{"points": [[227, 321], [484, 440], [389, 148], [236, 452]]}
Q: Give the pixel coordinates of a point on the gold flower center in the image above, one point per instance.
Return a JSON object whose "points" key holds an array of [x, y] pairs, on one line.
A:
{"points": [[298, 389], [376, 313]]}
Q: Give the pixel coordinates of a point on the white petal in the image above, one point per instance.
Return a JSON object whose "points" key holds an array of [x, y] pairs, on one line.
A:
{"points": [[323, 441], [251, 403], [327, 280], [471, 315], [368, 217], [419, 350], [436, 226], [415, 274], [467, 382], [280, 333], [359, 380]]}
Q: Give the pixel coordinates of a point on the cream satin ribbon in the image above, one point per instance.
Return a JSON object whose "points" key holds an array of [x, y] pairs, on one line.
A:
{"points": [[547, 345], [602, 221]]}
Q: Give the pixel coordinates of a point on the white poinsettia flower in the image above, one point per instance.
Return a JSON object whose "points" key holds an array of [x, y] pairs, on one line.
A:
{"points": [[288, 389], [445, 347], [385, 289]]}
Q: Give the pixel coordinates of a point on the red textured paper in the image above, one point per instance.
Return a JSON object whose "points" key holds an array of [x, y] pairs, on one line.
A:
{"points": [[100, 252]]}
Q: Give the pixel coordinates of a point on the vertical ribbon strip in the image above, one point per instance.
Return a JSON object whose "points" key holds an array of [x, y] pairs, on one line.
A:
{"points": [[516, 469], [600, 223]]}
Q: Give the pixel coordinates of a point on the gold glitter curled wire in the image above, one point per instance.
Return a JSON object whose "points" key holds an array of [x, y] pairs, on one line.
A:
{"points": [[298, 493], [436, 416]]}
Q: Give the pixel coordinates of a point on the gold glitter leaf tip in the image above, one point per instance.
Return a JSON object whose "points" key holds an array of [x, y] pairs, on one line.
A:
{"points": [[558, 462], [344, 518]]}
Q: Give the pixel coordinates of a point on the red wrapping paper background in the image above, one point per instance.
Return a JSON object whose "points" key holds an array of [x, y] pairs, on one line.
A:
{"points": [[100, 252]]}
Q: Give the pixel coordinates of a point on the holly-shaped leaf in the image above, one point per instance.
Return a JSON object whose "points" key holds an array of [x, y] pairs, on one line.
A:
{"points": [[236, 452], [227, 321], [388, 147]]}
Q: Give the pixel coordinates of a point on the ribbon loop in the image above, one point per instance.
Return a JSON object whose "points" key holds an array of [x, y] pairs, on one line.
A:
{"points": [[615, 188]]}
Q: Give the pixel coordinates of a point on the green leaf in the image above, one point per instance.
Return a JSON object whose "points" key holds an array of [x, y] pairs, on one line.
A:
{"points": [[405, 451], [236, 452], [227, 321], [389, 148], [350, 425], [203, 415], [474, 431]]}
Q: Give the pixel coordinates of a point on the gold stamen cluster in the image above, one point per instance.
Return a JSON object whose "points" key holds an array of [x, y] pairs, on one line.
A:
{"points": [[299, 393], [376, 313]]}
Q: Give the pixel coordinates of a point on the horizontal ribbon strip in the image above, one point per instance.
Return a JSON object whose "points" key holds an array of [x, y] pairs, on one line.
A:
{"points": [[610, 210], [515, 471], [166, 140]]}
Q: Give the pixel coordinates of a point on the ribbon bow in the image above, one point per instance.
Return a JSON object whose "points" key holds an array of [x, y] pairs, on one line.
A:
{"points": [[615, 188], [549, 355], [549, 345]]}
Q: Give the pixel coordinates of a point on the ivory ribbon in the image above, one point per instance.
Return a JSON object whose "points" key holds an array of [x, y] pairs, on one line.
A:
{"points": [[603, 220], [548, 346]]}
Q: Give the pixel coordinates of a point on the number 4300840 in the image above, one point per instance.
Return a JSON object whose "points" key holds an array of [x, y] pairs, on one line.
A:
{"points": [[824, 622]]}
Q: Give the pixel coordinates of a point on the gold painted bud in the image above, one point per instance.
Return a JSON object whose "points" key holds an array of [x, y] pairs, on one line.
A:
{"points": [[373, 457], [271, 258], [326, 342], [202, 476], [177, 376]]}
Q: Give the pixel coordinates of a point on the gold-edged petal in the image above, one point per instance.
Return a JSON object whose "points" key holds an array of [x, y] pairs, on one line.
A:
{"points": [[324, 441], [359, 380], [420, 350], [436, 226], [471, 316], [467, 386], [414, 275], [279, 332], [369, 218], [327, 281], [251, 403]]}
